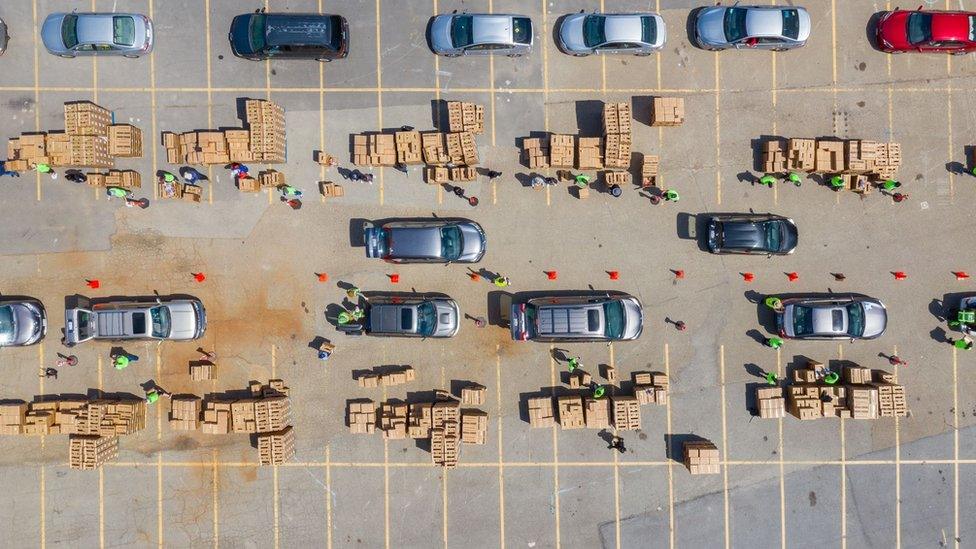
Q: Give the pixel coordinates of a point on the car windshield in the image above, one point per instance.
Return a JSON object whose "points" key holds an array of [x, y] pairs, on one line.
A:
{"points": [[522, 30], [593, 34], [256, 32], [69, 31], [855, 320], [648, 30], [613, 316], [8, 326], [791, 24], [161, 325], [123, 31], [802, 320], [336, 43], [919, 28], [450, 243], [426, 319], [735, 24], [972, 28], [774, 236], [461, 34]]}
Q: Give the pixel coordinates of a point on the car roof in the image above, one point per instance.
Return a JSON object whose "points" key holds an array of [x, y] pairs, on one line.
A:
{"points": [[96, 28], [623, 28], [299, 29], [764, 22], [415, 242], [829, 319], [951, 26], [491, 29], [570, 320]]}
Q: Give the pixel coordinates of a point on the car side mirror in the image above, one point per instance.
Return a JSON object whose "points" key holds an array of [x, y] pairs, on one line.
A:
{"points": [[852, 340], [769, 256]]}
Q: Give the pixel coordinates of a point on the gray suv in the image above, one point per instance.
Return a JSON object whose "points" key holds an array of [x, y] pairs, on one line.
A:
{"points": [[582, 317], [173, 319], [419, 316]]}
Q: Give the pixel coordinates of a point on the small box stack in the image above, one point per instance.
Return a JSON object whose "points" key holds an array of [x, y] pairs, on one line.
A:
{"points": [[536, 150], [436, 175], [770, 402], [597, 411], [89, 452], [380, 150], [266, 122], [571, 412], [389, 379], [474, 426], [773, 156], [888, 160], [701, 457], [58, 149], [830, 156], [626, 413], [616, 129], [562, 151], [579, 379], [473, 394], [617, 178], [242, 416], [184, 413], [86, 118], [855, 375], [649, 170], [801, 155], [668, 111], [435, 153], [540, 412], [463, 174], [589, 155], [858, 183], [216, 418], [864, 402], [891, 400], [421, 420], [126, 179], [124, 140], [362, 417], [277, 447], [408, 148], [328, 188], [239, 145], [12, 418], [272, 413], [466, 117], [462, 148], [393, 420], [651, 388], [803, 401], [271, 179], [202, 370]]}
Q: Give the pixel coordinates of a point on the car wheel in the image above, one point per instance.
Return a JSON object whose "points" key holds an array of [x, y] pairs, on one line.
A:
{"points": [[452, 55], [581, 55], [66, 56], [324, 60], [642, 54], [513, 55]]}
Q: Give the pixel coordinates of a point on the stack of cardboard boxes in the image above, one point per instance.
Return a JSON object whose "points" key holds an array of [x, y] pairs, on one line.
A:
{"points": [[473, 394], [830, 156], [859, 161], [388, 379], [277, 447], [773, 156], [540, 412], [465, 117], [89, 140], [668, 111], [589, 154], [801, 155], [571, 412], [421, 420], [89, 452], [202, 370], [126, 179], [463, 174], [579, 379], [393, 420], [362, 417], [184, 413], [701, 457], [474, 426], [626, 413], [617, 178], [651, 388], [271, 179], [445, 433], [617, 130], [562, 151], [435, 153], [597, 412], [649, 170], [375, 149], [770, 402], [408, 148], [536, 151], [461, 149], [263, 140]]}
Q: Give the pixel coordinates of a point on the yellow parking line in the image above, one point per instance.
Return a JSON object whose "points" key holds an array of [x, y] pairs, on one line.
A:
{"points": [[206, 7], [37, 94], [897, 470], [725, 447], [101, 507], [43, 510], [152, 103], [215, 490], [501, 460], [328, 498], [718, 132], [833, 41], [782, 469], [553, 378], [667, 372], [379, 92], [955, 445], [322, 115], [274, 361], [277, 507]]}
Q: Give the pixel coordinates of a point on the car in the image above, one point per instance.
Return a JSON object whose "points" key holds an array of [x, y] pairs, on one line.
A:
{"points": [[4, 38], [755, 234], [410, 316], [964, 317], [953, 32], [73, 34], [832, 317], [457, 34], [175, 319], [776, 28], [426, 241], [577, 318], [22, 322], [260, 36], [582, 34]]}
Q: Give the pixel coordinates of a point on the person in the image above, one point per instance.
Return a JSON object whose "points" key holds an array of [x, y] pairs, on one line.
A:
{"points": [[117, 192], [406, 128], [894, 360], [168, 177], [680, 325], [899, 197], [890, 185], [152, 395], [795, 178], [831, 378], [326, 350], [190, 175], [616, 191], [75, 176], [767, 180], [836, 182], [288, 190], [46, 168], [345, 317], [238, 170], [48, 373], [671, 196], [771, 378], [582, 181], [368, 177], [774, 303], [293, 203], [353, 293], [356, 175], [208, 356], [459, 191], [4, 171], [965, 343], [774, 342], [120, 361], [501, 281], [574, 363], [492, 174], [67, 360], [617, 443], [358, 313], [599, 391]]}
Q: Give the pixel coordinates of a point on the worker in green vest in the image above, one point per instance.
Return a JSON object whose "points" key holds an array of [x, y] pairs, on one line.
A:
{"points": [[582, 181], [771, 378], [836, 182], [671, 196], [120, 361], [774, 303], [574, 363], [774, 342], [831, 378], [795, 179], [890, 185], [767, 180]]}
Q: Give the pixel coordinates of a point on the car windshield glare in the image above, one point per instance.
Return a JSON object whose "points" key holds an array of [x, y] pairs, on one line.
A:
{"points": [[919, 28], [648, 30], [256, 32], [461, 32], [791, 24], [774, 236], [7, 326], [161, 325], [802, 320], [426, 319], [735, 24], [123, 31], [450, 243], [855, 320], [522, 30], [593, 34], [69, 31], [613, 315]]}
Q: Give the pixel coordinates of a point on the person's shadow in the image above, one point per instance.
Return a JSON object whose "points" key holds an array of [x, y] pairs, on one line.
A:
{"points": [[560, 355], [757, 336]]}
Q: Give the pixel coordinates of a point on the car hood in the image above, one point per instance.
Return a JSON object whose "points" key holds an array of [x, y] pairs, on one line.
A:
{"points": [[440, 34], [875, 319], [183, 320], [29, 324], [473, 247], [3, 36], [414, 242], [711, 25], [96, 29], [803, 33], [635, 318], [240, 36], [51, 33], [893, 29], [447, 319], [571, 33]]}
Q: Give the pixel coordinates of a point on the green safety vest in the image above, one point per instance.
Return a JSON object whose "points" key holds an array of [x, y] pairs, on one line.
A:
{"points": [[966, 316], [152, 396], [121, 362]]}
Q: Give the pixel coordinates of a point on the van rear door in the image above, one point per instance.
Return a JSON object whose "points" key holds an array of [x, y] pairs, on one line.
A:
{"points": [[79, 326]]}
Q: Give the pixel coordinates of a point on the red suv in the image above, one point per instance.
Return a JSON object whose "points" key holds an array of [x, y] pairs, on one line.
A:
{"points": [[927, 31]]}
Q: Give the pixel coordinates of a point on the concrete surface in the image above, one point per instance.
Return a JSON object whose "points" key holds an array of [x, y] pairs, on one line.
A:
{"points": [[826, 483]]}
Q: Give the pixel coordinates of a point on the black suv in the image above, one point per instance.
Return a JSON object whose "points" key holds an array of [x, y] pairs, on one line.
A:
{"points": [[259, 36]]}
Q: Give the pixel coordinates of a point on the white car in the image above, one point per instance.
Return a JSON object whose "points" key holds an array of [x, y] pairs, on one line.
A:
{"points": [[582, 34]]}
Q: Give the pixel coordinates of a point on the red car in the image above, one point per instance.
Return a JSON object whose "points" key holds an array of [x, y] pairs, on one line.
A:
{"points": [[927, 31]]}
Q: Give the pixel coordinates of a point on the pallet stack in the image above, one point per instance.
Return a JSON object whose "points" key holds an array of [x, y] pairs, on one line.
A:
{"points": [[202, 370], [277, 447], [421, 420], [124, 141], [408, 148], [473, 394], [393, 420], [474, 426], [377, 149], [126, 179], [89, 452], [626, 413], [650, 167], [862, 394], [465, 117], [651, 388], [562, 151], [445, 433], [184, 413], [266, 122], [668, 111], [536, 151], [571, 412], [435, 152], [617, 131], [701, 457], [773, 156], [362, 417], [589, 153], [597, 412], [830, 156], [770, 402], [262, 140], [540, 412], [855, 159]]}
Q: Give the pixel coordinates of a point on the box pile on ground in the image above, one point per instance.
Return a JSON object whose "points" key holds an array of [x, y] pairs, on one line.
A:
{"points": [[263, 140]]}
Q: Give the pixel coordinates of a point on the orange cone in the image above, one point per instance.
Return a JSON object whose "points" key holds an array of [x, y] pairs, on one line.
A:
{"points": [[552, 275], [475, 277], [793, 276], [678, 273], [748, 277], [961, 275], [199, 277], [614, 275], [394, 278], [94, 284], [322, 277], [899, 275]]}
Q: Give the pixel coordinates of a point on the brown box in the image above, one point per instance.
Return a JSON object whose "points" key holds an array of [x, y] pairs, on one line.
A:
{"points": [[473, 394], [571, 412], [589, 154], [271, 179], [562, 151], [248, 184], [535, 151], [86, 118], [408, 148], [668, 111], [362, 417], [474, 426], [801, 155], [277, 447], [701, 457], [435, 153], [125, 140], [626, 413], [540, 412]]}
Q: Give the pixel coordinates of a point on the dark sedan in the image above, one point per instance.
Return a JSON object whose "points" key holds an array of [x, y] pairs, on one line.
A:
{"points": [[426, 241], [756, 234], [832, 317]]}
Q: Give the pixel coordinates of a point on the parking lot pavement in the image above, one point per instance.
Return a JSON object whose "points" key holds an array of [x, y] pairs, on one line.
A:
{"points": [[904, 482]]}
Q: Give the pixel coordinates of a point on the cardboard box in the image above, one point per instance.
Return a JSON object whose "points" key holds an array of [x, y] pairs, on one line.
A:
{"points": [[571, 412], [589, 155], [668, 111], [473, 394], [536, 152], [626, 413], [701, 457], [540, 412], [86, 118], [408, 148], [562, 151], [474, 426], [125, 140], [434, 148]]}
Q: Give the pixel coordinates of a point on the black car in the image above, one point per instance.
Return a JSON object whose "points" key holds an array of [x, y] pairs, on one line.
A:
{"points": [[259, 36], [755, 234]]}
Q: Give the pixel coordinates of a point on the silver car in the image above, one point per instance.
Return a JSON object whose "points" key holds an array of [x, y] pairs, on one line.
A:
{"points": [[22, 322], [583, 317], [426, 241], [453, 35], [582, 34], [774, 28], [171, 319], [854, 317], [398, 316], [72, 34]]}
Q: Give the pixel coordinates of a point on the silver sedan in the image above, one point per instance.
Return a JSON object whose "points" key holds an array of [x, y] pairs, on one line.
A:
{"points": [[774, 28], [583, 34], [73, 34], [453, 35], [22, 322], [854, 317]]}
